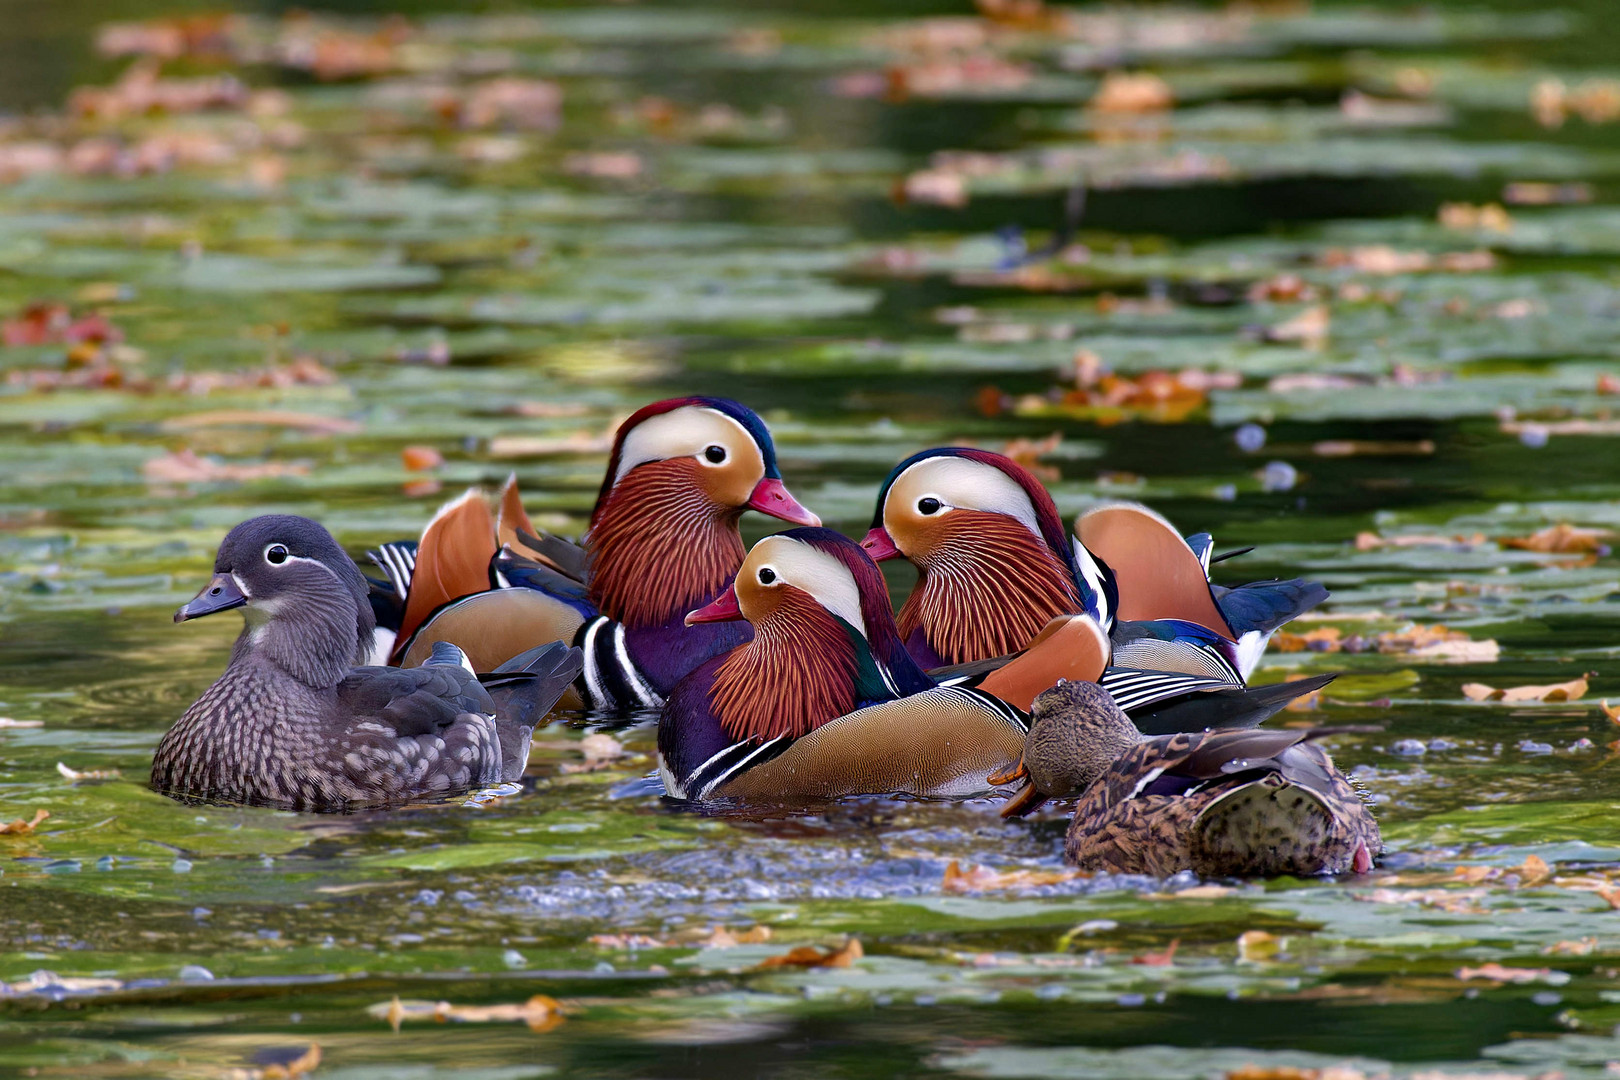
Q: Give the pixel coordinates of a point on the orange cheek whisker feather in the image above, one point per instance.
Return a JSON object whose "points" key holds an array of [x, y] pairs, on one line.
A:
{"points": [[660, 546], [991, 586], [797, 673]]}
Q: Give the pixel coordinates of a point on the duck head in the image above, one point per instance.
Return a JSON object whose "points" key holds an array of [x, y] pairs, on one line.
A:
{"points": [[304, 601], [994, 562], [1076, 733], [663, 535], [825, 640]]}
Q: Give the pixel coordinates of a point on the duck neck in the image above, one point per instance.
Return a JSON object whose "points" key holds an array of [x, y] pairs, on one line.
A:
{"points": [[316, 642], [659, 546], [988, 588], [803, 668]]}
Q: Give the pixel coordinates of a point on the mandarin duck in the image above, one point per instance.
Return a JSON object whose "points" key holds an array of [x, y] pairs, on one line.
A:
{"points": [[663, 539], [995, 564], [292, 724], [824, 701], [1218, 803]]}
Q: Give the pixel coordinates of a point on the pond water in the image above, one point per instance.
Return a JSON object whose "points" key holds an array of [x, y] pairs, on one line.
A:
{"points": [[1393, 232]]}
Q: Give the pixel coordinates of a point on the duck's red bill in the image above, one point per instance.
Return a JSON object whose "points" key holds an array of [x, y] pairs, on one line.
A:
{"points": [[880, 545], [772, 497], [724, 609]]}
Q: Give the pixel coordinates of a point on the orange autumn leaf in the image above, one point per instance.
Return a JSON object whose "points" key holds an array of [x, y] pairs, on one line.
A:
{"points": [[1497, 973], [421, 458], [1561, 539], [326, 425], [808, 956], [540, 1013], [1122, 92], [1611, 711], [1294, 1072], [187, 467], [1534, 871], [983, 879], [1564, 691], [21, 827], [1158, 959], [302, 1065]]}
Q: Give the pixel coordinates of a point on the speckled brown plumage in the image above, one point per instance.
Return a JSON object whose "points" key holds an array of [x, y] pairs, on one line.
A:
{"points": [[291, 724], [1219, 803]]}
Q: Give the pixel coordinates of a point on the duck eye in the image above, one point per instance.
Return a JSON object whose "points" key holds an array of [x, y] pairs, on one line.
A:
{"points": [[716, 455], [928, 506], [766, 575], [275, 554]]}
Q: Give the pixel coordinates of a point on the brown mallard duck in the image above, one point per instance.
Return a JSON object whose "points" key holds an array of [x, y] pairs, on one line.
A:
{"points": [[1220, 803]]}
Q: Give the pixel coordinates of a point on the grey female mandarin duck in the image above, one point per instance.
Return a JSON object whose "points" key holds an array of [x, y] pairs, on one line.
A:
{"points": [[293, 724], [995, 564], [663, 540], [824, 701], [1219, 803]]}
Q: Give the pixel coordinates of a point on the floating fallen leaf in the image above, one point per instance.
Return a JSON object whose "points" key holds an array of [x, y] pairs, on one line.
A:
{"points": [[421, 458], [808, 956], [8, 722], [89, 774], [599, 750], [1455, 901], [1309, 328], [306, 1062], [1158, 959], [579, 442], [1122, 92], [1292, 1072], [1459, 651], [1197, 892], [23, 828], [1611, 711], [1561, 539], [540, 1013], [1465, 216], [1257, 946], [187, 467], [984, 879], [1534, 871], [1582, 947], [604, 164], [1370, 541], [1367, 447], [934, 187], [1538, 193], [328, 425], [722, 938], [1497, 973], [627, 941], [1565, 691]]}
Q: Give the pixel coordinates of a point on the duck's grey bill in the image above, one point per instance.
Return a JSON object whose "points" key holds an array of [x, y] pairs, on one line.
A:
{"points": [[220, 594]]}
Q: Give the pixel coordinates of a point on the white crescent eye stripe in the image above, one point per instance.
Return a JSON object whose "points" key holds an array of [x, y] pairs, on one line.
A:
{"points": [[961, 484]]}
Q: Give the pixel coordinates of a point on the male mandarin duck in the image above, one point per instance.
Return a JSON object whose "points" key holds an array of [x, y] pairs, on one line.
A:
{"points": [[1219, 803], [663, 539], [995, 564], [292, 724], [825, 701]]}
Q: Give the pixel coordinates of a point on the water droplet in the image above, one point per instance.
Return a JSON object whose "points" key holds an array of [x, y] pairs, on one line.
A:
{"points": [[1250, 438]]}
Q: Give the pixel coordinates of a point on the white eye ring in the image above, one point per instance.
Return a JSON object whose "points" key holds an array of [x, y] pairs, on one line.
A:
{"points": [[768, 576], [276, 554], [923, 508], [714, 454]]}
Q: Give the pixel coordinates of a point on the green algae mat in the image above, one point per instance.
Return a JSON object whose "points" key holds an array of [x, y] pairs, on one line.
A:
{"points": [[1337, 280]]}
